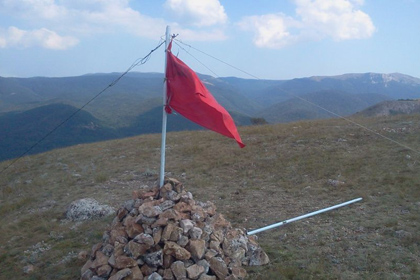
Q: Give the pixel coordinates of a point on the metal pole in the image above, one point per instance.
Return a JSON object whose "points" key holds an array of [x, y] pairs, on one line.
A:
{"points": [[164, 115], [303, 216]]}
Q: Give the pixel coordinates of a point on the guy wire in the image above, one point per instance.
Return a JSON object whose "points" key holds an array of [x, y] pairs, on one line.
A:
{"points": [[139, 61], [224, 62], [195, 58], [301, 98]]}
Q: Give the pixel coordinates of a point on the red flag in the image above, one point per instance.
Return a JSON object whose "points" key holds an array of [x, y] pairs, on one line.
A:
{"points": [[187, 95]]}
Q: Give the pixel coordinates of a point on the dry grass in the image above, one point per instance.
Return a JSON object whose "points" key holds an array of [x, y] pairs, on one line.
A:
{"points": [[283, 172]]}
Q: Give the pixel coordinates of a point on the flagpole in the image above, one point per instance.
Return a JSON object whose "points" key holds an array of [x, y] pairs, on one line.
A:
{"points": [[164, 115]]}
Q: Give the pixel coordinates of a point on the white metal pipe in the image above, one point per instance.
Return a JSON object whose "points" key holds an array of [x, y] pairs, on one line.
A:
{"points": [[303, 216], [164, 115]]}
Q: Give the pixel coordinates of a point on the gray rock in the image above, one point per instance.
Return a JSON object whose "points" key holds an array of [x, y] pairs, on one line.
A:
{"points": [[154, 276], [258, 257], [403, 234], [129, 205], [204, 264], [87, 275], [218, 266], [195, 271], [335, 183], [28, 269], [108, 249], [144, 238], [120, 275], [154, 259], [97, 278], [196, 232], [173, 196], [183, 241], [141, 219], [178, 269], [167, 204], [207, 277], [87, 209], [186, 225]]}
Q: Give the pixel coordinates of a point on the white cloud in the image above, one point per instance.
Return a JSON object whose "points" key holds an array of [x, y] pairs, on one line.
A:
{"points": [[338, 19], [30, 9], [315, 20], [80, 18], [198, 13], [198, 35], [116, 16], [271, 30], [15, 37]]}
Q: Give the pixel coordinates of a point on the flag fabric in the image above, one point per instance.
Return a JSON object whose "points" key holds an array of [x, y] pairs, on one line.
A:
{"points": [[188, 96]]}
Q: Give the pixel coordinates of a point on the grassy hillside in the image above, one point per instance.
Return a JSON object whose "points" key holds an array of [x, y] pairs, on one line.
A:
{"points": [[284, 171]]}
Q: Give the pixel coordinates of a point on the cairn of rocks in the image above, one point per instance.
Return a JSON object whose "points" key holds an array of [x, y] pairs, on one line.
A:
{"points": [[163, 233]]}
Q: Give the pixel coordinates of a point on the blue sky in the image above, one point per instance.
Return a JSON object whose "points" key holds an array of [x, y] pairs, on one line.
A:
{"points": [[281, 39]]}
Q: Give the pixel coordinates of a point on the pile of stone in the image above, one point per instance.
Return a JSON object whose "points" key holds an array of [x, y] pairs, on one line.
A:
{"points": [[165, 234]]}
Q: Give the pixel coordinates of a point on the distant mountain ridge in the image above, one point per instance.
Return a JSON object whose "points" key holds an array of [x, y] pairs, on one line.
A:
{"points": [[331, 104], [394, 86], [133, 106]]}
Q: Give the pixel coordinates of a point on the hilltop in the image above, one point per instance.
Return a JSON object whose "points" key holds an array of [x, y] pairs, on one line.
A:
{"points": [[285, 170], [392, 107]]}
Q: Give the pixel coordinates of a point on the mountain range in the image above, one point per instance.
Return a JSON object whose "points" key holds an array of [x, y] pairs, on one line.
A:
{"points": [[31, 108]]}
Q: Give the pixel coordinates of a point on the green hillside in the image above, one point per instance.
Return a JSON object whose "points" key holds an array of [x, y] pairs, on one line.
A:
{"points": [[22, 130], [131, 107], [285, 170], [118, 106], [137, 93]]}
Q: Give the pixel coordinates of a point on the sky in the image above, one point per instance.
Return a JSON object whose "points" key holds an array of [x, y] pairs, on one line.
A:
{"points": [[265, 39]]}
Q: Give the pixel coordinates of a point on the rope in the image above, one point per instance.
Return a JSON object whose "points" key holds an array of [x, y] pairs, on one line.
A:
{"points": [[139, 61], [359, 125], [195, 58], [305, 100], [143, 60], [224, 62]]}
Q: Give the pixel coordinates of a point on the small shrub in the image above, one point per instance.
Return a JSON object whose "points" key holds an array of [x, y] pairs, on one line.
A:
{"points": [[101, 178]]}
